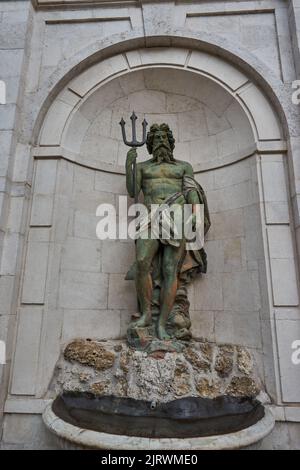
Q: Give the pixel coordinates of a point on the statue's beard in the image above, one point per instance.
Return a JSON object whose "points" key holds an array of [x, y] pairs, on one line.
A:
{"points": [[162, 154]]}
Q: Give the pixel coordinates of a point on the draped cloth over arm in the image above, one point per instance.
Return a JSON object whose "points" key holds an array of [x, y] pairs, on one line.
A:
{"points": [[195, 261]]}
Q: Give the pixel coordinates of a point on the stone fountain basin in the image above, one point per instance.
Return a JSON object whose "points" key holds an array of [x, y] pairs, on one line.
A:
{"points": [[81, 420], [181, 418]]}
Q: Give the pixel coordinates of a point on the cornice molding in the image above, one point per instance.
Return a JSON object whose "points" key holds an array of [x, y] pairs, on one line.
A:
{"points": [[49, 4]]}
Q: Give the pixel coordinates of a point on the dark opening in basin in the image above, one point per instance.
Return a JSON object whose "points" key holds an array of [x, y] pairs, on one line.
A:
{"points": [[185, 417]]}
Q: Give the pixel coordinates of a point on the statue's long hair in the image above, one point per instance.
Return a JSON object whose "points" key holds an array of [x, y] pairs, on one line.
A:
{"points": [[160, 127]]}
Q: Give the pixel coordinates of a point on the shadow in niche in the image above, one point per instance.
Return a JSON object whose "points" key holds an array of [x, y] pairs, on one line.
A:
{"points": [[183, 418]]}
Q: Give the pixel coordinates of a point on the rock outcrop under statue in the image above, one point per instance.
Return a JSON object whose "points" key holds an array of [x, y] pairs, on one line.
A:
{"points": [[112, 368]]}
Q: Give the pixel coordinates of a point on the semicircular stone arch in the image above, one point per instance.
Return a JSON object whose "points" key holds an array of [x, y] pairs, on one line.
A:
{"points": [[229, 102]]}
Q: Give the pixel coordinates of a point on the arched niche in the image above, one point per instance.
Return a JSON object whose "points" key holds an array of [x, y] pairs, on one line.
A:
{"points": [[227, 128], [116, 83]]}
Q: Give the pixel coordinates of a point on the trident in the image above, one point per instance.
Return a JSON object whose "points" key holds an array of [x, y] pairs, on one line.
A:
{"points": [[134, 144]]}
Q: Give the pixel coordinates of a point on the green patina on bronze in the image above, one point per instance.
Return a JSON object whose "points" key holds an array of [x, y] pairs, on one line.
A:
{"points": [[163, 270]]}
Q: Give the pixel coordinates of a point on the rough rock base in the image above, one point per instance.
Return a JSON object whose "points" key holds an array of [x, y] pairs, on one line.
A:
{"points": [[113, 368]]}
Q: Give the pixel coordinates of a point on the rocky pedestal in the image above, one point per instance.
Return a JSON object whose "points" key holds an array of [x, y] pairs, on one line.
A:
{"points": [[112, 368]]}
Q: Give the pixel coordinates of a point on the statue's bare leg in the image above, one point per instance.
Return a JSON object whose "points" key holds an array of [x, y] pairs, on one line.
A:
{"points": [[171, 258], [145, 251]]}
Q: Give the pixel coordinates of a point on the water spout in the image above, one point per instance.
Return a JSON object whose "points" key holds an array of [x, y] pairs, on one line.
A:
{"points": [[153, 405]]}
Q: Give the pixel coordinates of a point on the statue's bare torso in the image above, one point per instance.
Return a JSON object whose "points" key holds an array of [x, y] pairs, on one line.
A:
{"points": [[160, 181]]}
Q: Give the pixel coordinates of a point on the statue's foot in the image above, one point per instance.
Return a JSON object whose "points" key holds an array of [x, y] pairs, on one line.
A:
{"points": [[162, 333], [144, 321]]}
